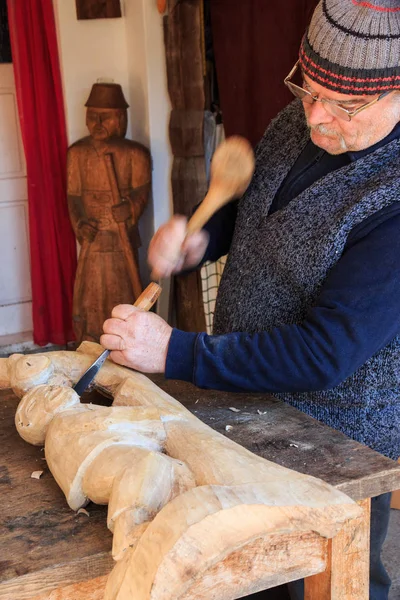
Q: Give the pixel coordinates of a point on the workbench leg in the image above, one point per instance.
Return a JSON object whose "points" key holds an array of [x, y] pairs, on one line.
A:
{"points": [[347, 573]]}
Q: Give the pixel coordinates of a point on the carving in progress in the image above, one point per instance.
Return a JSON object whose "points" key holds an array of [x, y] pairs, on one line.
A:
{"points": [[193, 514]]}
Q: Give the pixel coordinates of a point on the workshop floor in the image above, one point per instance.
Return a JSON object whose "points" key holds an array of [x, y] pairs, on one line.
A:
{"points": [[391, 554]]}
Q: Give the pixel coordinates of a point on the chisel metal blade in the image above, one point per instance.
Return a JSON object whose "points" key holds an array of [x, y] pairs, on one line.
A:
{"points": [[90, 373]]}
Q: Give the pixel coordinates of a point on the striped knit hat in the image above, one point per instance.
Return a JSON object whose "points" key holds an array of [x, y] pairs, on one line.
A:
{"points": [[353, 46]]}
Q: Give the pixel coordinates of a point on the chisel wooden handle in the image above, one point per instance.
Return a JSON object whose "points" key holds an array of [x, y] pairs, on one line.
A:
{"points": [[148, 297]]}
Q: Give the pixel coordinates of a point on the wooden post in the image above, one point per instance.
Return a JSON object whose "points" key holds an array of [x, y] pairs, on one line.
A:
{"points": [[189, 181], [347, 574]]}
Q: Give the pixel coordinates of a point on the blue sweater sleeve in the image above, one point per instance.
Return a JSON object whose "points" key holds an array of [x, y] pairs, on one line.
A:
{"points": [[221, 227], [357, 313]]}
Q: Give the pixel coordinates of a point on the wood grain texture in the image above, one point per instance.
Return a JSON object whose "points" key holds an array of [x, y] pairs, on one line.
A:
{"points": [[105, 175], [278, 432], [89, 590], [98, 9], [182, 35], [347, 575], [269, 561], [183, 55], [237, 507], [49, 582], [186, 133], [46, 544], [189, 186], [396, 498]]}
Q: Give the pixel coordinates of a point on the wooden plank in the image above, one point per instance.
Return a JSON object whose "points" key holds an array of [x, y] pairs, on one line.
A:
{"points": [[279, 432], [347, 575], [90, 590], [65, 575], [396, 498], [37, 527], [270, 560]]}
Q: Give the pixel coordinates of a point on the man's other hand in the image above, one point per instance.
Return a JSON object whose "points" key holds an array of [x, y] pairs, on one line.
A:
{"points": [[170, 251], [137, 339]]}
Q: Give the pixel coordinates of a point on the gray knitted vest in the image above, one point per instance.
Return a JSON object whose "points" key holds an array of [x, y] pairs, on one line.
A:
{"points": [[277, 265]]}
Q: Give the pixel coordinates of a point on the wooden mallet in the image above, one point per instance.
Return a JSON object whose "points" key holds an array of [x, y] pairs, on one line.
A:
{"points": [[232, 168]]}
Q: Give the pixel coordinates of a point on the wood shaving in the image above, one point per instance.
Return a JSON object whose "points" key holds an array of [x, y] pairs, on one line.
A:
{"points": [[36, 474], [83, 511], [233, 409], [228, 427]]}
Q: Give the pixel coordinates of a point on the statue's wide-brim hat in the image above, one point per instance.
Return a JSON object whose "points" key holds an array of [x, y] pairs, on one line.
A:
{"points": [[106, 95]]}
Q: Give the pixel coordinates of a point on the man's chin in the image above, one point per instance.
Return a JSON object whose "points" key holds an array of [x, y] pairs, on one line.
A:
{"points": [[329, 143]]}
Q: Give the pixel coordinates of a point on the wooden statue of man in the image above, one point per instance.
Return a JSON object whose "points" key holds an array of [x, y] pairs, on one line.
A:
{"points": [[108, 188]]}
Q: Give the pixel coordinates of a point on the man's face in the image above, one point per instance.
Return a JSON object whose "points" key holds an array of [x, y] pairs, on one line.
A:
{"points": [[337, 136], [104, 123]]}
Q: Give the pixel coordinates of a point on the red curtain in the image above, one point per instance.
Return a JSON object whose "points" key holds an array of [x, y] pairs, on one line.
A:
{"points": [[41, 112], [256, 43]]}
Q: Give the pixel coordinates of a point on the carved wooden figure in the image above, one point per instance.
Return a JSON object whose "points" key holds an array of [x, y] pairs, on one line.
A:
{"points": [[108, 188], [194, 515]]}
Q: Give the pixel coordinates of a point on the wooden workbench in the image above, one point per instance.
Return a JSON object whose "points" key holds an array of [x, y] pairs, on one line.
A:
{"points": [[45, 545]]}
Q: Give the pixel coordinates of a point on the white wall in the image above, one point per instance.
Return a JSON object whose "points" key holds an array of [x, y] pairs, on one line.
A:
{"points": [[130, 51], [89, 49]]}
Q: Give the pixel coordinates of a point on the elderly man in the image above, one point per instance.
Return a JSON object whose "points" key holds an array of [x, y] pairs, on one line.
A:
{"points": [[308, 307]]}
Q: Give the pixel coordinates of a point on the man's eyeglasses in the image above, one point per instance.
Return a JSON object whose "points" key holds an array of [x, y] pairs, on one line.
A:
{"points": [[331, 106]]}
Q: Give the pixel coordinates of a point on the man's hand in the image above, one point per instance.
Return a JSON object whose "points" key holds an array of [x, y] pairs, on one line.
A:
{"points": [[170, 251], [138, 339], [86, 231], [122, 211]]}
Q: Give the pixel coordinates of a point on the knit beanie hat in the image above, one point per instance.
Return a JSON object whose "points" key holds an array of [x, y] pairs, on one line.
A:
{"points": [[353, 46]]}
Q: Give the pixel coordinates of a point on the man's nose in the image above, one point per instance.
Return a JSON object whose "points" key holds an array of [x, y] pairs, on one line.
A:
{"points": [[317, 114]]}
